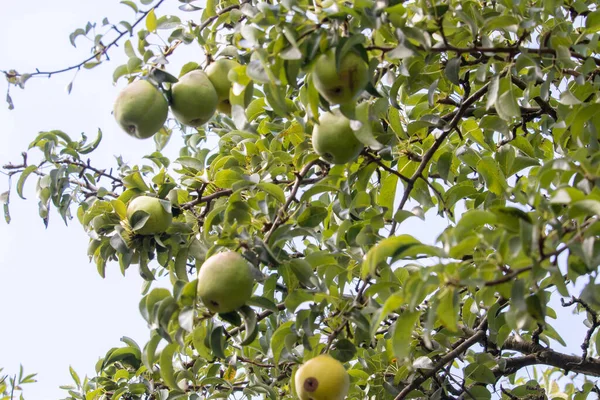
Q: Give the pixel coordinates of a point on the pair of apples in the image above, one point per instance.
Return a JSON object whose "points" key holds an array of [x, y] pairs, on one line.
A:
{"points": [[225, 281], [141, 109]]}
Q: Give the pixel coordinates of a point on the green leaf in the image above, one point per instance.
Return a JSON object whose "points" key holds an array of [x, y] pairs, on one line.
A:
{"points": [[149, 353], [262, 302], [180, 265], [125, 355], [218, 342], [227, 178], [507, 106], [459, 192], [250, 322], [501, 22], [151, 21], [472, 220], [387, 194], [74, 376], [391, 304], [447, 309], [26, 172], [480, 373], [273, 190], [5, 201], [592, 21], [316, 189], [492, 174], [167, 371], [404, 327], [303, 271], [393, 247], [135, 181], [452, 70], [343, 350], [130, 4], [584, 207], [312, 216], [278, 339], [138, 219]]}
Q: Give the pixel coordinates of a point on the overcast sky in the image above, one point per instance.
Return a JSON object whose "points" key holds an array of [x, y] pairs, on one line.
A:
{"points": [[56, 310]]}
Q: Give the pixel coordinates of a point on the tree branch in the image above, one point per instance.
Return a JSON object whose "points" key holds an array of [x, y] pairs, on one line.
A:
{"points": [[595, 322], [98, 53], [449, 357], [455, 118], [281, 218], [205, 199], [536, 354]]}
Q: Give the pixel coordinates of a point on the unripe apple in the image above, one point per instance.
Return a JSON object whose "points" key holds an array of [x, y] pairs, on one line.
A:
{"points": [[194, 99], [141, 109], [158, 211], [225, 282], [218, 74], [322, 378], [343, 85], [334, 140]]}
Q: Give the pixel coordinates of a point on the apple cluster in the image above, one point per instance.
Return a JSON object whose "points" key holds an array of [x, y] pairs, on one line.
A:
{"points": [[225, 280], [141, 109]]}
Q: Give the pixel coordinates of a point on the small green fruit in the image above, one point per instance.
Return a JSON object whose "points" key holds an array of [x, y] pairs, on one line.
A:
{"points": [[322, 378], [218, 74], [194, 99], [225, 282], [159, 215], [334, 140], [345, 85], [141, 109]]}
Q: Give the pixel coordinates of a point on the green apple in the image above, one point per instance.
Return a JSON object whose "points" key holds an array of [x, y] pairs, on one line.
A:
{"points": [[322, 378], [334, 140], [194, 98], [345, 85], [141, 109], [158, 212], [225, 282], [218, 74]]}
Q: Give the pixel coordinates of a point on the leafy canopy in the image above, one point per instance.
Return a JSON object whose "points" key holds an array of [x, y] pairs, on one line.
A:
{"points": [[487, 116]]}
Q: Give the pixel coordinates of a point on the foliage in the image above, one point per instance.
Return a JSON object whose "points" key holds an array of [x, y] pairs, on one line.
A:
{"points": [[11, 387], [489, 114]]}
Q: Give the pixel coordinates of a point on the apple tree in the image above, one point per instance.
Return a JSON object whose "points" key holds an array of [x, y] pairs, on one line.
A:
{"points": [[312, 136]]}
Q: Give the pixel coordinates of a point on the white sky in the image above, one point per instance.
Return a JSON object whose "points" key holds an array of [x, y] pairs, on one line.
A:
{"points": [[55, 308]]}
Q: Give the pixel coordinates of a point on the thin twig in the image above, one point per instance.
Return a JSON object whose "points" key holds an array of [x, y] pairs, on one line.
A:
{"points": [[281, 217], [98, 53]]}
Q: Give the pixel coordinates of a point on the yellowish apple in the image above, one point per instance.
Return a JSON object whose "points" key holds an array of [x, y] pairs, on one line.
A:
{"points": [[225, 282], [322, 378], [141, 109]]}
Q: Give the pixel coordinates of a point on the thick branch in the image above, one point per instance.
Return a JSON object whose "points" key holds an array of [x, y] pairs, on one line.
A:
{"points": [[510, 50], [536, 354]]}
